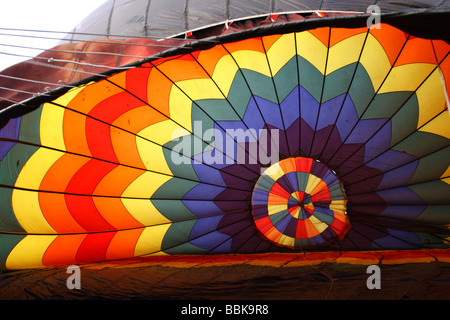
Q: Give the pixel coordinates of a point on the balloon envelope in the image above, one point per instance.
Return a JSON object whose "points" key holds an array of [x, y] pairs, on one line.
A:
{"points": [[293, 138]]}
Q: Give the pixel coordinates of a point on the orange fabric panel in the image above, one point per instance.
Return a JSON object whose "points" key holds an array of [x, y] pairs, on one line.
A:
{"points": [[209, 58], [75, 126], [254, 44], [113, 211], [159, 91], [417, 50], [268, 41], [123, 244], [55, 211], [138, 118], [311, 230], [191, 70], [391, 38], [130, 155], [61, 172], [63, 250], [339, 34], [323, 34]]}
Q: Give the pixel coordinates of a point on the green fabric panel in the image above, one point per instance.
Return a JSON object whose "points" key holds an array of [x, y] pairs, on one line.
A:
{"points": [[384, 105], [174, 210], [183, 169], [299, 243], [338, 82], [432, 166], [435, 214], [8, 220], [405, 120], [186, 248], [239, 94], [361, 90], [433, 241], [286, 79], [421, 143], [13, 162], [277, 217], [218, 109], [260, 85], [292, 199], [434, 192], [310, 78], [174, 188], [8, 242], [323, 217], [336, 192], [265, 183], [178, 233], [30, 127], [206, 122], [302, 178]]}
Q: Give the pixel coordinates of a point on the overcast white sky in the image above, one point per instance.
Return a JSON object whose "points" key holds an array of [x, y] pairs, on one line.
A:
{"points": [[51, 15]]}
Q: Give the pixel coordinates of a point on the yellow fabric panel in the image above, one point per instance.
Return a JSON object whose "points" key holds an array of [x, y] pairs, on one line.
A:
{"points": [[295, 195], [446, 180], [36, 167], [313, 181], [275, 208], [287, 241], [274, 171], [252, 60], [198, 89], [163, 132], [150, 240], [224, 73], [319, 225], [29, 252], [375, 61], [152, 156], [312, 49], [144, 211], [145, 185], [338, 205], [407, 77], [431, 98], [70, 94], [281, 52], [180, 108], [439, 125], [51, 126], [345, 52], [28, 212], [26, 203], [446, 173]]}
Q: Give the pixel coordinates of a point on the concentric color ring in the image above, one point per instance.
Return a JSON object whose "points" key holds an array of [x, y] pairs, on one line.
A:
{"points": [[298, 203]]}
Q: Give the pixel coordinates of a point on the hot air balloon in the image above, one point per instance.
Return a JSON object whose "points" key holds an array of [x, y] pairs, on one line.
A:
{"points": [[316, 133]]}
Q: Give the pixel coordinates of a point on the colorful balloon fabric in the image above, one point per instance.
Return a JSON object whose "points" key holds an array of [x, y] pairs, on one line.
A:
{"points": [[298, 203], [144, 161]]}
